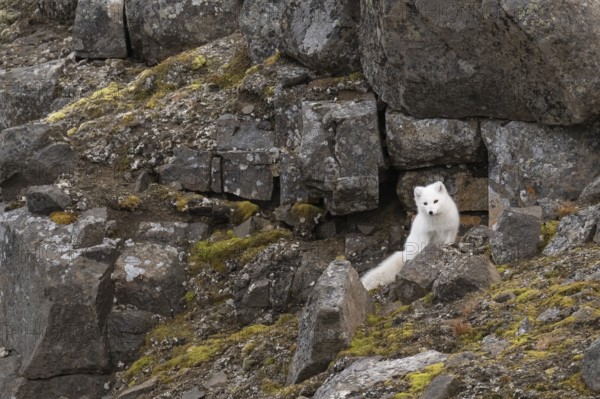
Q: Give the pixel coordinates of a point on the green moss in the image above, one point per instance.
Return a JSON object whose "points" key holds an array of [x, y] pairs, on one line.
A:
{"points": [[63, 217], [199, 62], [190, 297], [242, 211], [272, 60], [130, 203], [233, 72], [306, 212], [244, 249], [527, 295], [548, 231], [356, 76], [576, 383], [56, 116], [138, 366], [172, 328], [420, 380]]}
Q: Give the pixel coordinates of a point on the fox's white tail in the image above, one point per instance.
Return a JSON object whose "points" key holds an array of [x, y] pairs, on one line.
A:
{"points": [[385, 273]]}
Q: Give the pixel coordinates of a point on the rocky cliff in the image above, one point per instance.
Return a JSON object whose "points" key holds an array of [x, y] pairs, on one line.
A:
{"points": [[190, 190]]}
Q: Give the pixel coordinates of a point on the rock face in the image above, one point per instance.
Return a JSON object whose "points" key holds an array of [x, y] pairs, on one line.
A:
{"points": [[26, 93], [248, 174], [47, 199], [191, 168], [319, 34], [432, 58], [339, 303], [126, 332], [99, 29], [591, 192], [529, 162], [150, 276], [365, 373], [59, 330], [158, 29], [469, 190], [90, 228], [340, 154], [417, 143], [575, 230], [591, 366], [59, 10], [516, 234]]}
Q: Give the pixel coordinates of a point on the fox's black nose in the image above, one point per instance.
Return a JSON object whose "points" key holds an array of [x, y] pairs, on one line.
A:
{"points": [[431, 212]]}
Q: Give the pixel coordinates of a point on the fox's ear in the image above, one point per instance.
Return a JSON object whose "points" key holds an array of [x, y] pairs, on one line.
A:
{"points": [[439, 186], [419, 191]]}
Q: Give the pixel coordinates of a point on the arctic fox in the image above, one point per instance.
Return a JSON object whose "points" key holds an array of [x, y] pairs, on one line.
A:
{"points": [[436, 222]]}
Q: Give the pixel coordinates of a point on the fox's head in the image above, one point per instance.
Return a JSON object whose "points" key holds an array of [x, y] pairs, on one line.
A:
{"points": [[429, 199]]}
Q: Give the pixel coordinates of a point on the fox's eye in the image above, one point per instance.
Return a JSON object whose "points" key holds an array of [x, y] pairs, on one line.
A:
{"points": [[435, 202], [424, 203]]}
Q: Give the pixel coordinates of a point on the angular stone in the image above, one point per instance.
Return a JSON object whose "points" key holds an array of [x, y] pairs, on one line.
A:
{"points": [[575, 230], [46, 199], [416, 277], [335, 136], [288, 107], [367, 372], [590, 369], [59, 10], [476, 240], [172, 233], [236, 133], [99, 29], [319, 34], [442, 387], [143, 180], [364, 251], [150, 276], [18, 144], [65, 386], [529, 162], [59, 329], [516, 235], [432, 58], [126, 333], [417, 143], [591, 192], [464, 274], [191, 168], [469, 191], [248, 174], [290, 179], [90, 228], [137, 390], [160, 29], [339, 304], [26, 93]]}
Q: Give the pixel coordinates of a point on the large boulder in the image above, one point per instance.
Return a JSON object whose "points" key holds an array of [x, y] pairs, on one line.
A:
{"points": [[341, 154], [99, 29], [59, 330], [191, 168], [367, 372], [319, 34], [158, 29], [516, 235], [590, 368], [575, 230], [338, 305], [26, 93], [416, 277], [417, 143], [59, 10], [529, 162], [433, 58], [150, 277], [248, 174], [46, 199]]}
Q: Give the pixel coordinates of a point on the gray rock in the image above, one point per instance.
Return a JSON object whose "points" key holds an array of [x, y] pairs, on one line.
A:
{"points": [[18, 144], [516, 234], [365, 373], [319, 34], [468, 189], [140, 389], [493, 345], [47, 164], [59, 10], [431, 59], [65, 386], [335, 135], [290, 180], [575, 230], [339, 303], [216, 380], [364, 251], [476, 240], [288, 106], [243, 133], [216, 175], [193, 393], [417, 143], [590, 369], [248, 174], [442, 387], [415, 279], [46, 199], [191, 168], [530, 161], [326, 230], [99, 29], [126, 333], [142, 181], [90, 228], [172, 233], [150, 276], [591, 192], [246, 228], [463, 274], [26, 93], [59, 329], [524, 327], [551, 315], [160, 29]]}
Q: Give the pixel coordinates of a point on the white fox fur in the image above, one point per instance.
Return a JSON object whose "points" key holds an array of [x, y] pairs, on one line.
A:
{"points": [[436, 222]]}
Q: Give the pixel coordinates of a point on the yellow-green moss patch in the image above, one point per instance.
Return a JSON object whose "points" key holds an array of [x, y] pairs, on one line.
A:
{"points": [[130, 202], [63, 217], [306, 212], [242, 211]]}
